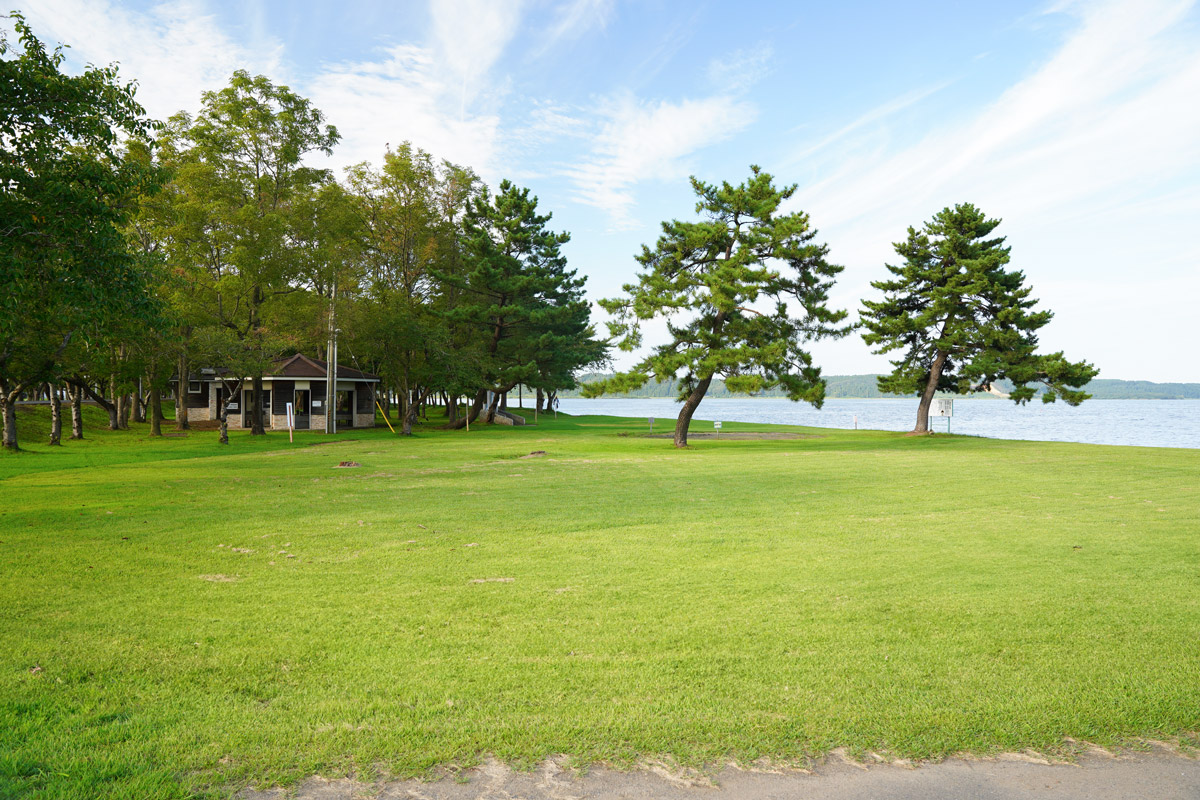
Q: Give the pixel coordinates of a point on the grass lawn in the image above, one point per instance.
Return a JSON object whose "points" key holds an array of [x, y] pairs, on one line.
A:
{"points": [[178, 618]]}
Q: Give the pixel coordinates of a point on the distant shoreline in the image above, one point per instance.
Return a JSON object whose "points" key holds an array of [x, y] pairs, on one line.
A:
{"points": [[863, 387], [731, 396]]}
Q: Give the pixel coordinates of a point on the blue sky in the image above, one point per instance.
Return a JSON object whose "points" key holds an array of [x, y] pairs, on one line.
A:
{"points": [[1078, 123]]}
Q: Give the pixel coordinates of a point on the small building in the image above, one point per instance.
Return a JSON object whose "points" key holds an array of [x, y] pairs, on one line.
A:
{"points": [[298, 380]]}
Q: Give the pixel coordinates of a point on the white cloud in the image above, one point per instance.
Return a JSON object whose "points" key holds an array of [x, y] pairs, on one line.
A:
{"points": [[1073, 158], [741, 69], [404, 97], [642, 140], [469, 36], [874, 115], [175, 50], [573, 19], [440, 94]]}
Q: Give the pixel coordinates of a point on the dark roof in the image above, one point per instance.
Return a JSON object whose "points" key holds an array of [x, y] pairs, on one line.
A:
{"points": [[301, 366]]}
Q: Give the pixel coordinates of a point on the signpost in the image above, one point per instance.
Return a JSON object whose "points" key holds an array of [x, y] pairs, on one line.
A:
{"points": [[291, 420], [942, 407], [717, 426], [652, 424]]}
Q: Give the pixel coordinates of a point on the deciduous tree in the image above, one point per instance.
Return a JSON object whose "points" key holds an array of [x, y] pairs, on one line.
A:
{"points": [[241, 165], [67, 272]]}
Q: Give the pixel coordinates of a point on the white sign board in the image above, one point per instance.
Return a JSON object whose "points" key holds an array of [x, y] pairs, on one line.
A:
{"points": [[717, 425], [316, 403], [942, 407]]}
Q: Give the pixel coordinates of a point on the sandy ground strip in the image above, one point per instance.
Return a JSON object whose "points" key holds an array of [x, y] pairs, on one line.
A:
{"points": [[1097, 775]]}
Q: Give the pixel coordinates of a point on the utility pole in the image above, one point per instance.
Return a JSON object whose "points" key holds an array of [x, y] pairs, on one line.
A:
{"points": [[331, 364]]}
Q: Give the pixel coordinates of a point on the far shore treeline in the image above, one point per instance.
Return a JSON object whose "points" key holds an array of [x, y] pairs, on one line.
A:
{"points": [[136, 253], [860, 387]]}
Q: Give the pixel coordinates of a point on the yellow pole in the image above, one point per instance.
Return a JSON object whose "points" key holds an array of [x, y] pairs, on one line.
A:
{"points": [[385, 419]]}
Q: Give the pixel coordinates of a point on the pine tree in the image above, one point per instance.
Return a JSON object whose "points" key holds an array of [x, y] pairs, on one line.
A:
{"points": [[743, 252], [963, 321], [516, 292]]}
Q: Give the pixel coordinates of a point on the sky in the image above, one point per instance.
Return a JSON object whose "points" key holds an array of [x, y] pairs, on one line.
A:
{"points": [[1076, 123]]}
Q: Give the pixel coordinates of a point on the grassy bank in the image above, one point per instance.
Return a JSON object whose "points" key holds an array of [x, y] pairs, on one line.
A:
{"points": [[177, 617]]}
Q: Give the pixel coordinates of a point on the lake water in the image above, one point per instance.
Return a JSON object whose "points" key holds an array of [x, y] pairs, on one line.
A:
{"points": [[1150, 423]]}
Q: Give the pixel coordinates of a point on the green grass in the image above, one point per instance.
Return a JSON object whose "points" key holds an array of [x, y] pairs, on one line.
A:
{"points": [[742, 599]]}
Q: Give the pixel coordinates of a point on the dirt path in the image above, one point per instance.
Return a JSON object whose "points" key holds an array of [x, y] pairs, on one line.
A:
{"points": [[738, 435], [1159, 774]]}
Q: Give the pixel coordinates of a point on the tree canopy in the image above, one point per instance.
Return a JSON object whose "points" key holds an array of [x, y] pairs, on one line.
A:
{"points": [[68, 191], [519, 296], [961, 320]]}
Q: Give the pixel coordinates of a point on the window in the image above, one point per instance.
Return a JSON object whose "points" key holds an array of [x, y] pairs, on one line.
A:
{"points": [[195, 387]]}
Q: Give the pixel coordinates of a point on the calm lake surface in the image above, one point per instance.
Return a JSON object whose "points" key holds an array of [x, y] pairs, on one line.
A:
{"points": [[1148, 423]]}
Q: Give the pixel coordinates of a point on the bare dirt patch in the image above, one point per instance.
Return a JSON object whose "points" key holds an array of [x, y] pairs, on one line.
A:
{"points": [[743, 435], [218, 578]]}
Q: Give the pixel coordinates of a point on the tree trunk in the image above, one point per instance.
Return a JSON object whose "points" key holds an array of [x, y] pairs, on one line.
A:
{"points": [[490, 416], [139, 404], [114, 418], [256, 407], [100, 400], [55, 416], [223, 409], [8, 407], [402, 401], [125, 405], [540, 397], [113, 400], [472, 412], [689, 408], [181, 387], [156, 415], [935, 375], [76, 395], [410, 419]]}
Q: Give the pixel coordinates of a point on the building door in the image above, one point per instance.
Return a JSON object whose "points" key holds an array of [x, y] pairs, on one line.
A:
{"points": [[301, 409], [344, 416], [247, 398]]}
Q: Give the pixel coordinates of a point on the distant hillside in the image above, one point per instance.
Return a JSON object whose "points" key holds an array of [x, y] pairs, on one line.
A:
{"points": [[863, 386], [1143, 390]]}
